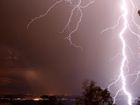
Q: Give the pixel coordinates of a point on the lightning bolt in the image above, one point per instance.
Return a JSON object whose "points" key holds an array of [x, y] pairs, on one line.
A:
{"points": [[77, 6], [124, 56], [124, 61]]}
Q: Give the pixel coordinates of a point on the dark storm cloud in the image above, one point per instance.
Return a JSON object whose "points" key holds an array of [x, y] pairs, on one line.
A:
{"points": [[37, 44], [41, 60], [11, 81], [40, 49]]}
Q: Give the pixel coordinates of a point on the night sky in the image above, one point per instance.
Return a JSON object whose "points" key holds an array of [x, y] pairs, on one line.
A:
{"points": [[41, 61]]}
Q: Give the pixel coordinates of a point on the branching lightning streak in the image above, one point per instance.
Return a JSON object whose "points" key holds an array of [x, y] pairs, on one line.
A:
{"points": [[126, 26], [45, 14], [124, 56], [76, 7]]}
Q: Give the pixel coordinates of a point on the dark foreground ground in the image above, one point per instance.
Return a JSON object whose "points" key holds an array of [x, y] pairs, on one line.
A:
{"points": [[30, 102], [38, 101]]}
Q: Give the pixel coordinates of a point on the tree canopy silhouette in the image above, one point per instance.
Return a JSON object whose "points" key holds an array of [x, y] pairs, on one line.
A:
{"points": [[94, 95]]}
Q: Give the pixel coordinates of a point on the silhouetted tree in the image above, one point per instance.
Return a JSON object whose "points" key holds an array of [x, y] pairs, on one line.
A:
{"points": [[79, 101], [106, 97], [50, 100], [53, 100], [94, 95], [44, 97]]}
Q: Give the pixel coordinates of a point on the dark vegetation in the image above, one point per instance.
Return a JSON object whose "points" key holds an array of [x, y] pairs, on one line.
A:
{"points": [[139, 12], [94, 95], [91, 95]]}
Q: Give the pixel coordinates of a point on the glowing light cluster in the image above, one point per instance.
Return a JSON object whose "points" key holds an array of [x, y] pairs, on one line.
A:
{"points": [[37, 99]]}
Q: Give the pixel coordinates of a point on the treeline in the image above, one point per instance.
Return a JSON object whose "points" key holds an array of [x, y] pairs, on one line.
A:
{"points": [[91, 95]]}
